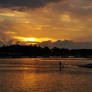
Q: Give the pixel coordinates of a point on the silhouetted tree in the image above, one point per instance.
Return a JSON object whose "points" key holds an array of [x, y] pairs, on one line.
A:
{"points": [[34, 51]]}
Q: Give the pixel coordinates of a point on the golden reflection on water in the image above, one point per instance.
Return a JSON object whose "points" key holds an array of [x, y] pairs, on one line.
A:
{"points": [[57, 82], [44, 79], [26, 81]]}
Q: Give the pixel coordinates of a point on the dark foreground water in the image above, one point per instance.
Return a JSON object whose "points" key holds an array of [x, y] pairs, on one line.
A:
{"points": [[43, 75]]}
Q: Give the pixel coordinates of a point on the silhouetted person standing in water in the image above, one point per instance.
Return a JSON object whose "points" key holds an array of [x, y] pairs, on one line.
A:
{"points": [[60, 65]]}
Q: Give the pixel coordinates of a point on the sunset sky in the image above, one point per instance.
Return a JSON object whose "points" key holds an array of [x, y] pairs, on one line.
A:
{"points": [[43, 20]]}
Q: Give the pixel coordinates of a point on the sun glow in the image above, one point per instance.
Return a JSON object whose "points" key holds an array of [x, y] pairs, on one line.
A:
{"points": [[26, 39], [32, 39]]}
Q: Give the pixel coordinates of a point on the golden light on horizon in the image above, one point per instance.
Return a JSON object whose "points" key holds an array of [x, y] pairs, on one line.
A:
{"points": [[25, 39], [32, 39]]}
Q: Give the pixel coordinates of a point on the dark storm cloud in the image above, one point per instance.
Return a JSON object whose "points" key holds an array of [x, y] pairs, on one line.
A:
{"points": [[25, 3]]}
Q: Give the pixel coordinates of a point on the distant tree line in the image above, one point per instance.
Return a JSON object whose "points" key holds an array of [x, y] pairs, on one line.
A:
{"points": [[37, 51]]}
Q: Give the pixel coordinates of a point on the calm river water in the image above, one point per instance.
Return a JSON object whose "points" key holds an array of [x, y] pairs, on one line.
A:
{"points": [[43, 75]]}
